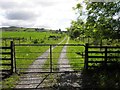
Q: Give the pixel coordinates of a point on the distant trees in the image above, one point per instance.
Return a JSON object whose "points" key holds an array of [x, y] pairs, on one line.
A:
{"points": [[13, 27]]}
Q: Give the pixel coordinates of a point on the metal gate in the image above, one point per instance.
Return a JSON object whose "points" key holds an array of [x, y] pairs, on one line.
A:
{"points": [[42, 64], [42, 58]]}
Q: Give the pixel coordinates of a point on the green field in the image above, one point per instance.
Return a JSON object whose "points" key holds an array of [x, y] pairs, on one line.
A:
{"points": [[30, 37]]}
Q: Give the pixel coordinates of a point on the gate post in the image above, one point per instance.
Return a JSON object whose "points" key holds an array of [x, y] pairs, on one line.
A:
{"points": [[50, 58], [12, 57], [105, 62], [86, 57], [15, 70]]}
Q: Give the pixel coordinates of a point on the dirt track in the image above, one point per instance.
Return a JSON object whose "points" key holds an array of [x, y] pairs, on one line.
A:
{"points": [[63, 62]]}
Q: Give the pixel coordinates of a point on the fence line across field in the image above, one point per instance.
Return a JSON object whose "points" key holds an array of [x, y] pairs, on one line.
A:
{"points": [[49, 44], [93, 55]]}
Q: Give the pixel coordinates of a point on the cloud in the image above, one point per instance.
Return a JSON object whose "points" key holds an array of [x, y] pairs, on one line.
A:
{"points": [[20, 15], [18, 23], [18, 5], [7, 4], [10, 4], [53, 14], [46, 3]]}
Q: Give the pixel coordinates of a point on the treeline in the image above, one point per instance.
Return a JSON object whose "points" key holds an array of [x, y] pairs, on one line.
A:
{"points": [[102, 21]]}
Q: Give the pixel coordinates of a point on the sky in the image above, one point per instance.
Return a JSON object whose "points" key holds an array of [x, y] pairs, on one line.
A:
{"points": [[53, 14]]}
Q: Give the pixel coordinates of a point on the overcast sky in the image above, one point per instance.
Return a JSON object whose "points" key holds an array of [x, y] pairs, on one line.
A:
{"points": [[52, 14]]}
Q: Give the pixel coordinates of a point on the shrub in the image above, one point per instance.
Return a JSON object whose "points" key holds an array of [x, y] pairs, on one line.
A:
{"points": [[35, 41]]}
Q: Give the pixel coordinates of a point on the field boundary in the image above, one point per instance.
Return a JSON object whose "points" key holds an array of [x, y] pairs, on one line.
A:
{"points": [[7, 57], [102, 55]]}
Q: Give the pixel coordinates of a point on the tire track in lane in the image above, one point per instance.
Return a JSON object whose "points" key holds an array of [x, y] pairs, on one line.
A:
{"points": [[63, 61]]}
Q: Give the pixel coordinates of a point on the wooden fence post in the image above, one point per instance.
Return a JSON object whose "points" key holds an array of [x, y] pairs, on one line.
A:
{"points": [[50, 58], [105, 62], [19, 40], [12, 47], [15, 70], [86, 57], [5, 42]]}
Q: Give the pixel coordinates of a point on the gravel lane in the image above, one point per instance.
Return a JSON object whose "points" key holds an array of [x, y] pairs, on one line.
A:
{"points": [[32, 80]]}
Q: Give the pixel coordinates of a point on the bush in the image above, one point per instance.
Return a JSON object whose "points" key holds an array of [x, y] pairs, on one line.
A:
{"points": [[35, 41]]}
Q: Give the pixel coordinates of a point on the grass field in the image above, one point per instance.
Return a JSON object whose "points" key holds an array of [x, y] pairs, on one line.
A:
{"points": [[30, 37]]}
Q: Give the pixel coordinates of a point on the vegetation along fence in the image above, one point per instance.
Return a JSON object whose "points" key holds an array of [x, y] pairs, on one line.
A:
{"points": [[6, 58], [5, 41]]}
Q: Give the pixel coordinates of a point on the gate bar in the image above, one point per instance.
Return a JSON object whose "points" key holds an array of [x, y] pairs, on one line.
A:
{"points": [[50, 58]]}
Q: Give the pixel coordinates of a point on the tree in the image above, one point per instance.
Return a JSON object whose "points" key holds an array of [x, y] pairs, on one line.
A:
{"points": [[100, 23], [101, 17], [76, 28]]}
